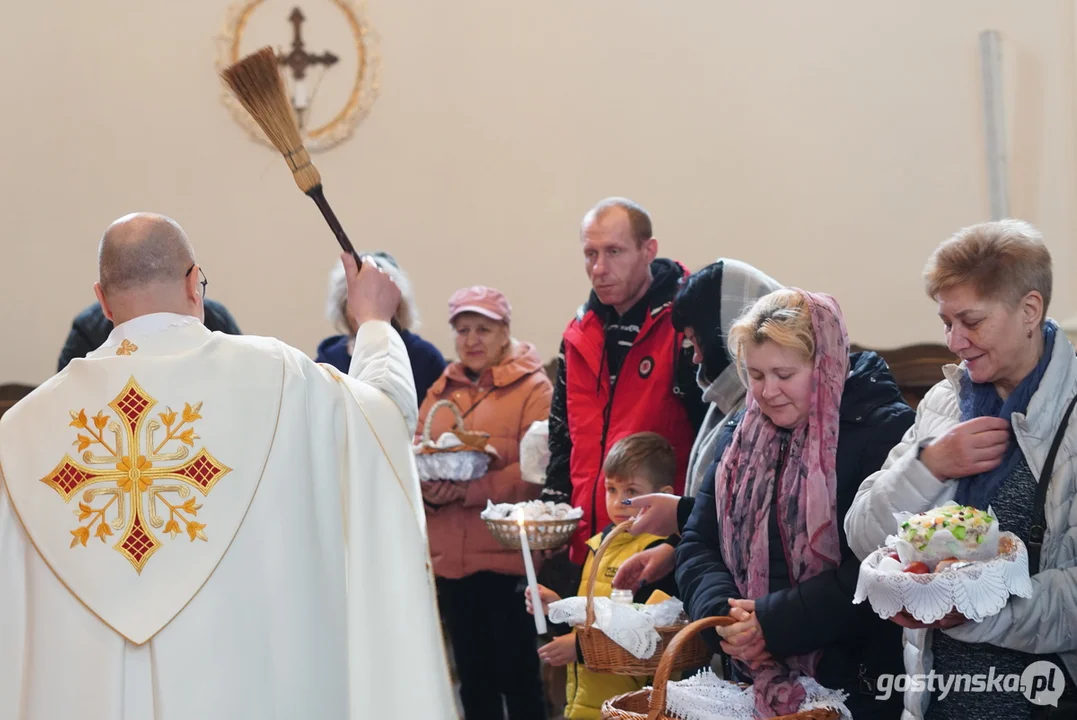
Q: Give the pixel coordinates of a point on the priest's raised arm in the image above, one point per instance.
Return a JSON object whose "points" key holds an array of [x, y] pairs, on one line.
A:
{"points": [[200, 525]]}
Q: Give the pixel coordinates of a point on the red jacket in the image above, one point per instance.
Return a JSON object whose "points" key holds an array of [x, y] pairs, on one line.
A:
{"points": [[645, 397]]}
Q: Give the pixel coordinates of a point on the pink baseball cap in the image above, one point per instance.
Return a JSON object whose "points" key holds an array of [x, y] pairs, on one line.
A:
{"points": [[485, 301]]}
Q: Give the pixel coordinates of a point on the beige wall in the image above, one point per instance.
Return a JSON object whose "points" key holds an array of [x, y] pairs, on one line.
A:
{"points": [[831, 143]]}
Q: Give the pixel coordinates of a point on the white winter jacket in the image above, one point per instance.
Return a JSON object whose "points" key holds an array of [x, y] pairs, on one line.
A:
{"points": [[1044, 623]]}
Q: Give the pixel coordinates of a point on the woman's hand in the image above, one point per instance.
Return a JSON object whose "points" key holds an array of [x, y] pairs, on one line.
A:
{"points": [[657, 514], [442, 492], [968, 448], [546, 595], [743, 640], [560, 651], [644, 567]]}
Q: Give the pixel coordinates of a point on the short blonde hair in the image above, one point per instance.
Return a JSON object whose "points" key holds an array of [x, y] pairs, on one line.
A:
{"points": [[1001, 260], [645, 455], [783, 317], [336, 310]]}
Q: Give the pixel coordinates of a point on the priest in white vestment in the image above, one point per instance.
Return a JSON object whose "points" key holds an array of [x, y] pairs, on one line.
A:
{"points": [[197, 526]]}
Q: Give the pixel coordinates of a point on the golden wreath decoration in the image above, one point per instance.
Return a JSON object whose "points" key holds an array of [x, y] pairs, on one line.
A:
{"points": [[363, 67]]}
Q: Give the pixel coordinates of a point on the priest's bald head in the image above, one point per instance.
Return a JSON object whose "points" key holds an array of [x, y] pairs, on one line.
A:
{"points": [[146, 265]]}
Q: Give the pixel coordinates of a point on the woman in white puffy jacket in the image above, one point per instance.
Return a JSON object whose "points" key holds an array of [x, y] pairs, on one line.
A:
{"points": [[981, 437]]}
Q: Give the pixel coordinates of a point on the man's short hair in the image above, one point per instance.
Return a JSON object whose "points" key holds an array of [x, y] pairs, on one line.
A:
{"points": [[638, 218]]}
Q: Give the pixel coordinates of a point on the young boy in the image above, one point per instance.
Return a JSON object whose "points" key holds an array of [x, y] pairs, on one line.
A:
{"points": [[637, 465]]}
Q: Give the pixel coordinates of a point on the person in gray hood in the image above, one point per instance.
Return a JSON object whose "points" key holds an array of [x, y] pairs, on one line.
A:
{"points": [[707, 304]]}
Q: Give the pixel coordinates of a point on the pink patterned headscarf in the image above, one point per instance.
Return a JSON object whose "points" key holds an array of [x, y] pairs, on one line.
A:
{"points": [[806, 503]]}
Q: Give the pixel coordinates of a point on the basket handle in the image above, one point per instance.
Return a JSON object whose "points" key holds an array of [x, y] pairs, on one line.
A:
{"points": [[430, 416], [665, 665], [594, 570]]}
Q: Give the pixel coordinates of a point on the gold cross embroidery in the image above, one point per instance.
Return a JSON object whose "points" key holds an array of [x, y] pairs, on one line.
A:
{"points": [[126, 347], [132, 485]]}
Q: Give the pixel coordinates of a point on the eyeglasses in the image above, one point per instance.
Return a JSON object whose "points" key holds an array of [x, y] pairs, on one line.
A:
{"points": [[202, 274]]}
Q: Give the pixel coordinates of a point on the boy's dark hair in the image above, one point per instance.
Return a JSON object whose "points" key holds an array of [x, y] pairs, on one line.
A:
{"points": [[647, 455]]}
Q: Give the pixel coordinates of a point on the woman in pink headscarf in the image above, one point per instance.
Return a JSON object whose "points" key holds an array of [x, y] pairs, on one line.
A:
{"points": [[765, 541]]}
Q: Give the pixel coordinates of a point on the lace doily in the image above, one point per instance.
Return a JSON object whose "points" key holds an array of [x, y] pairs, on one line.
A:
{"points": [[630, 626], [977, 590], [705, 696]]}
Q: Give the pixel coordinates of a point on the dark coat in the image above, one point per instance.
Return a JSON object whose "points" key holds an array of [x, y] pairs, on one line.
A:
{"points": [[817, 614], [91, 329], [427, 362]]}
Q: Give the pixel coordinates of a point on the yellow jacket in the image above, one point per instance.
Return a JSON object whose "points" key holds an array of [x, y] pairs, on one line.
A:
{"points": [[586, 690]]}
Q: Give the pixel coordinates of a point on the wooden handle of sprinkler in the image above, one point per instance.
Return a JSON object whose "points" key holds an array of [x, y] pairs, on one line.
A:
{"points": [[318, 196]]}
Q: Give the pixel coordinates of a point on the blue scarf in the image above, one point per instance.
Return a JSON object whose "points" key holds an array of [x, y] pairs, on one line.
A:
{"points": [[982, 400]]}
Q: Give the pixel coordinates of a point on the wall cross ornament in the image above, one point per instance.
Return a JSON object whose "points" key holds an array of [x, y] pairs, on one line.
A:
{"points": [[329, 60]]}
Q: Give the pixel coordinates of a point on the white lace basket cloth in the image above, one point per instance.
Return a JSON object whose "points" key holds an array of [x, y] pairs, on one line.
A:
{"points": [[977, 590], [705, 696], [456, 455]]}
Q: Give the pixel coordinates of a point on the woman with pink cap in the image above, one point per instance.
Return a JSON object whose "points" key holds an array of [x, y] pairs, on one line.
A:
{"points": [[500, 387]]}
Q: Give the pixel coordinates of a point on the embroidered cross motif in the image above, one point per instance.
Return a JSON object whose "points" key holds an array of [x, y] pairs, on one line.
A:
{"points": [[126, 347], [133, 484]]}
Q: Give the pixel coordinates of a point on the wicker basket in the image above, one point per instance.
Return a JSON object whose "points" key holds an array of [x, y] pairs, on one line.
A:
{"points": [[650, 703], [603, 655], [468, 461], [541, 534]]}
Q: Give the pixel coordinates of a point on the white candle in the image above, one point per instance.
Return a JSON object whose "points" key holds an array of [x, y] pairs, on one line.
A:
{"points": [[532, 582], [300, 95]]}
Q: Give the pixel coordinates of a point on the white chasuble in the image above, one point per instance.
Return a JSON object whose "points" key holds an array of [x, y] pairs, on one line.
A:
{"points": [[203, 526]]}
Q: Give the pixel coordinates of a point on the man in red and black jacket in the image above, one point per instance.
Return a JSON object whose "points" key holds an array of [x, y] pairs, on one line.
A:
{"points": [[622, 366]]}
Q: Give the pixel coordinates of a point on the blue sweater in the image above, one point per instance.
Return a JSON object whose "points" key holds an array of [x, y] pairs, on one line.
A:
{"points": [[427, 362]]}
